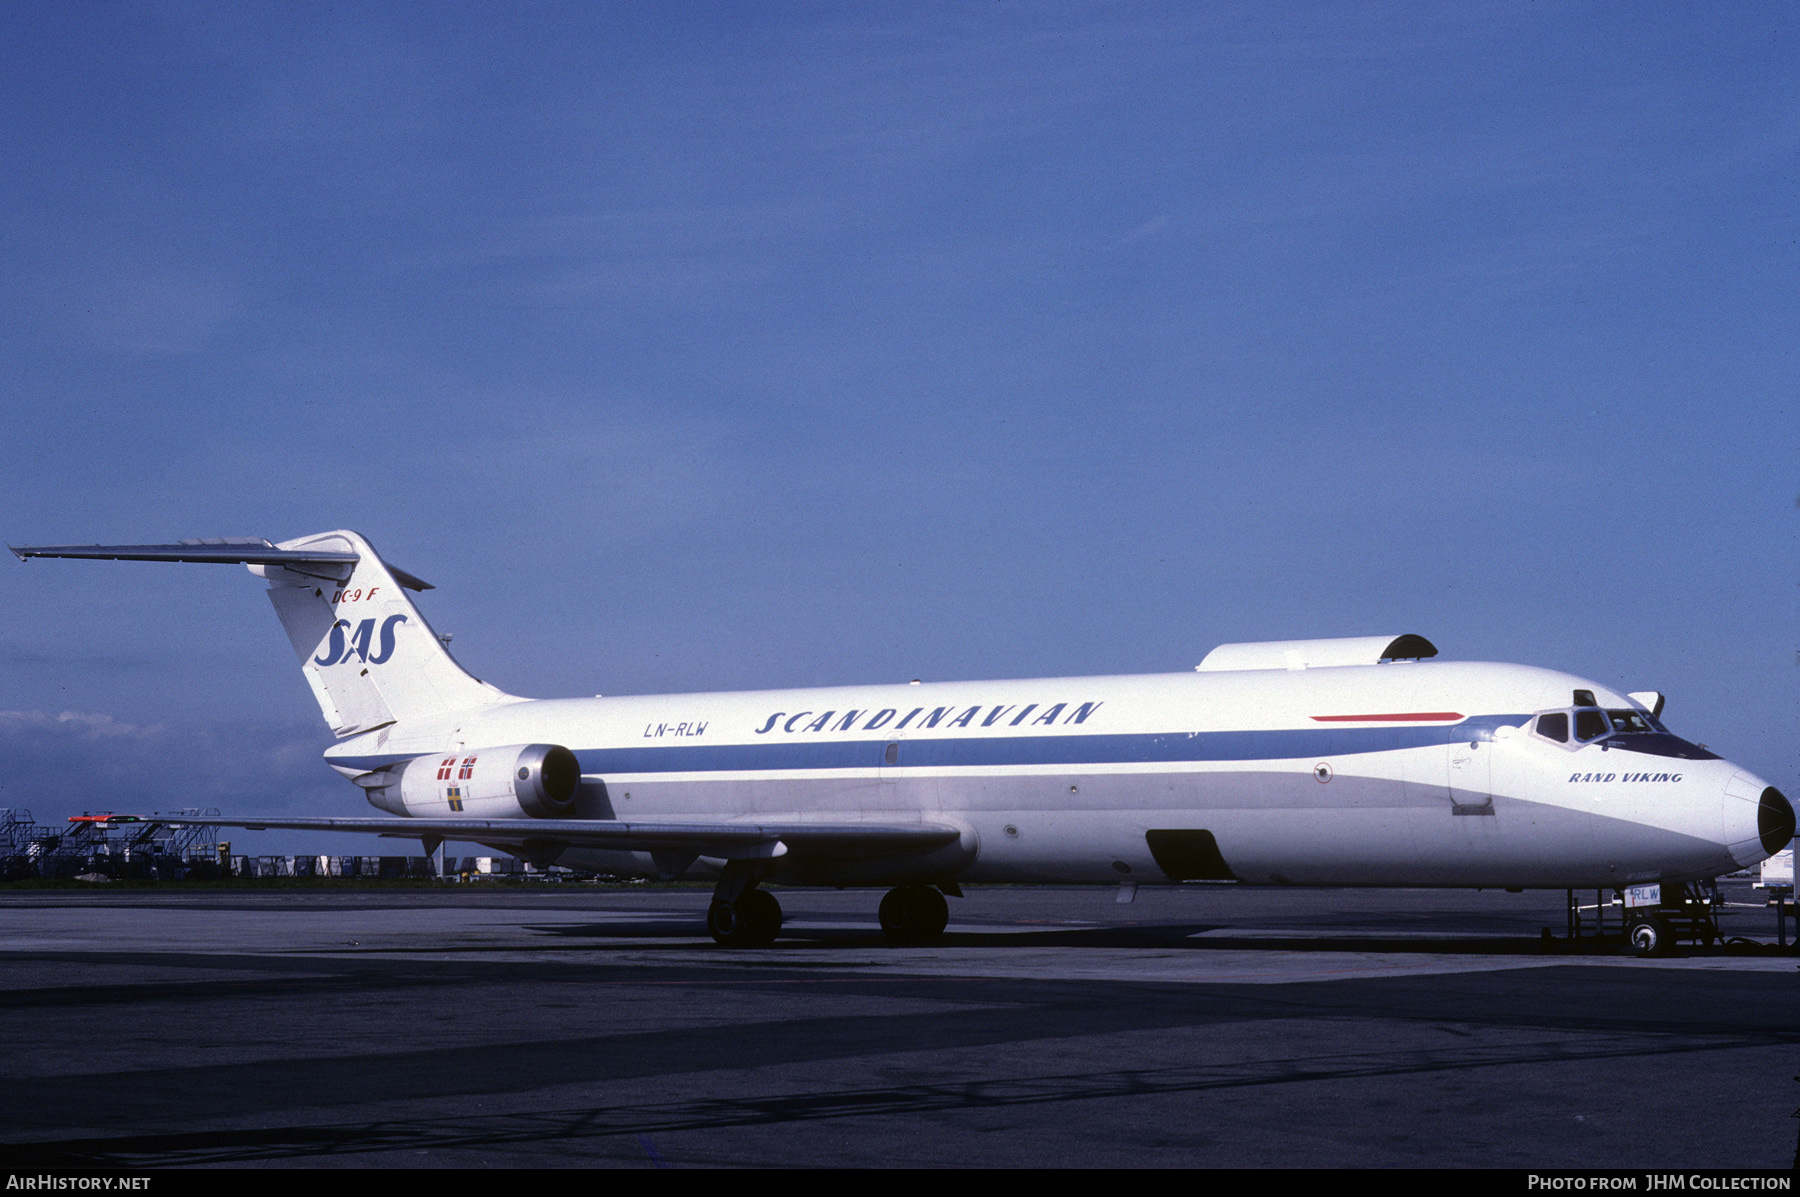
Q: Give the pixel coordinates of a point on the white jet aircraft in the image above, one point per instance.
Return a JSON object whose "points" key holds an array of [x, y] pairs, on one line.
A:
{"points": [[1305, 762]]}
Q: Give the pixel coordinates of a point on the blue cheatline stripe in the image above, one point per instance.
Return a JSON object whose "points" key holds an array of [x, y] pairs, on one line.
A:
{"points": [[1142, 748], [1037, 750]]}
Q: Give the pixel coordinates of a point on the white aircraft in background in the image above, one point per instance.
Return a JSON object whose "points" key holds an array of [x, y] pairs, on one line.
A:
{"points": [[1305, 762]]}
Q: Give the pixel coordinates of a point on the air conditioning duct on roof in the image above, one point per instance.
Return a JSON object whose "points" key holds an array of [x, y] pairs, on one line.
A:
{"points": [[1316, 654]]}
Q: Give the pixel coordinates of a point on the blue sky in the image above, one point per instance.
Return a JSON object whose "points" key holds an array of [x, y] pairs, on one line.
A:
{"points": [[722, 346]]}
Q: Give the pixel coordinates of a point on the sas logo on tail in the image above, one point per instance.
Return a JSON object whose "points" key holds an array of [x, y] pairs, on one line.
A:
{"points": [[356, 644]]}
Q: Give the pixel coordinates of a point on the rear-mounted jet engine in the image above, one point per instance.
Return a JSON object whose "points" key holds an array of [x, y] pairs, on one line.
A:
{"points": [[535, 781]]}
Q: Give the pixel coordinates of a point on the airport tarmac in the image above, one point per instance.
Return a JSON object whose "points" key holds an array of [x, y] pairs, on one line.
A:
{"points": [[575, 1026]]}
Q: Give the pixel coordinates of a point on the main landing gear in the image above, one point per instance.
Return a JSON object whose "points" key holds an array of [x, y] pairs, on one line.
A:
{"points": [[742, 916], [752, 921], [914, 914]]}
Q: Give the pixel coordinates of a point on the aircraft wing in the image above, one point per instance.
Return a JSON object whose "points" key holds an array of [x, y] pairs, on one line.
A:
{"points": [[739, 841]]}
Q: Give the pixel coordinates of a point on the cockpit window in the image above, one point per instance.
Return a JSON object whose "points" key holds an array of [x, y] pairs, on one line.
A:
{"points": [[1590, 725], [1626, 730]]}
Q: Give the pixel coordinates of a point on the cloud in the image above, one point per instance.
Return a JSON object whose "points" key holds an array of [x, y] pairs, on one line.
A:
{"points": [[75, 723], [67, 762]]}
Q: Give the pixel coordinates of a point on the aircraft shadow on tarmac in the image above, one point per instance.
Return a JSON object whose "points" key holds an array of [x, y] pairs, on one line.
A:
{"points": [[680, 934]]}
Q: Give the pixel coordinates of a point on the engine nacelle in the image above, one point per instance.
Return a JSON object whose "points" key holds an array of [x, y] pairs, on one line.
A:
{"points": [[536, 781]]}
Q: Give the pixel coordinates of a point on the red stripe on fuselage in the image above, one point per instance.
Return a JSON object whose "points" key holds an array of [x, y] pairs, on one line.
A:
{"points": [[1413, 717]]}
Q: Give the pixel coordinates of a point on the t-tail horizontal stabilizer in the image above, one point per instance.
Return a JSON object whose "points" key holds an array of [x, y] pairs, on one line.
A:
{"points": [[366, 651], [317, 563]]}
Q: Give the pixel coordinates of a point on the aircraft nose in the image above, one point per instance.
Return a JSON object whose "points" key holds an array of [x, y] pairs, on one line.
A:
{"points": [[1774, 820], [1759, 819]]}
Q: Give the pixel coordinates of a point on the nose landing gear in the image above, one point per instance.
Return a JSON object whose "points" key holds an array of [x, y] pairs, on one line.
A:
{"points": [[1673, 913], [1687, 911], [1651, 937]]}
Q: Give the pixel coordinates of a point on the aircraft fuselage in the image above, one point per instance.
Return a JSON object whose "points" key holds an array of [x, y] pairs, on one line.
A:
{"points": [[1404, 773]]}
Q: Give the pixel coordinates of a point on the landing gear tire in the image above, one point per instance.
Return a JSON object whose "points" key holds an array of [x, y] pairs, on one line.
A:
{"points": [[763, 915], [752, 921], [1651, 937], [914, 914]]}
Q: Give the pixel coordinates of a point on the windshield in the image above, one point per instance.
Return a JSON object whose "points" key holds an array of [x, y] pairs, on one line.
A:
{"points": [[1639, 731], [1589, 725], [1632, 721], [1624, 729]]}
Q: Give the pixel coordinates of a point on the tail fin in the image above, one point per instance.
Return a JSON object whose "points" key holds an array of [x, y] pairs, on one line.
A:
{"points": [[369, 656]]}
